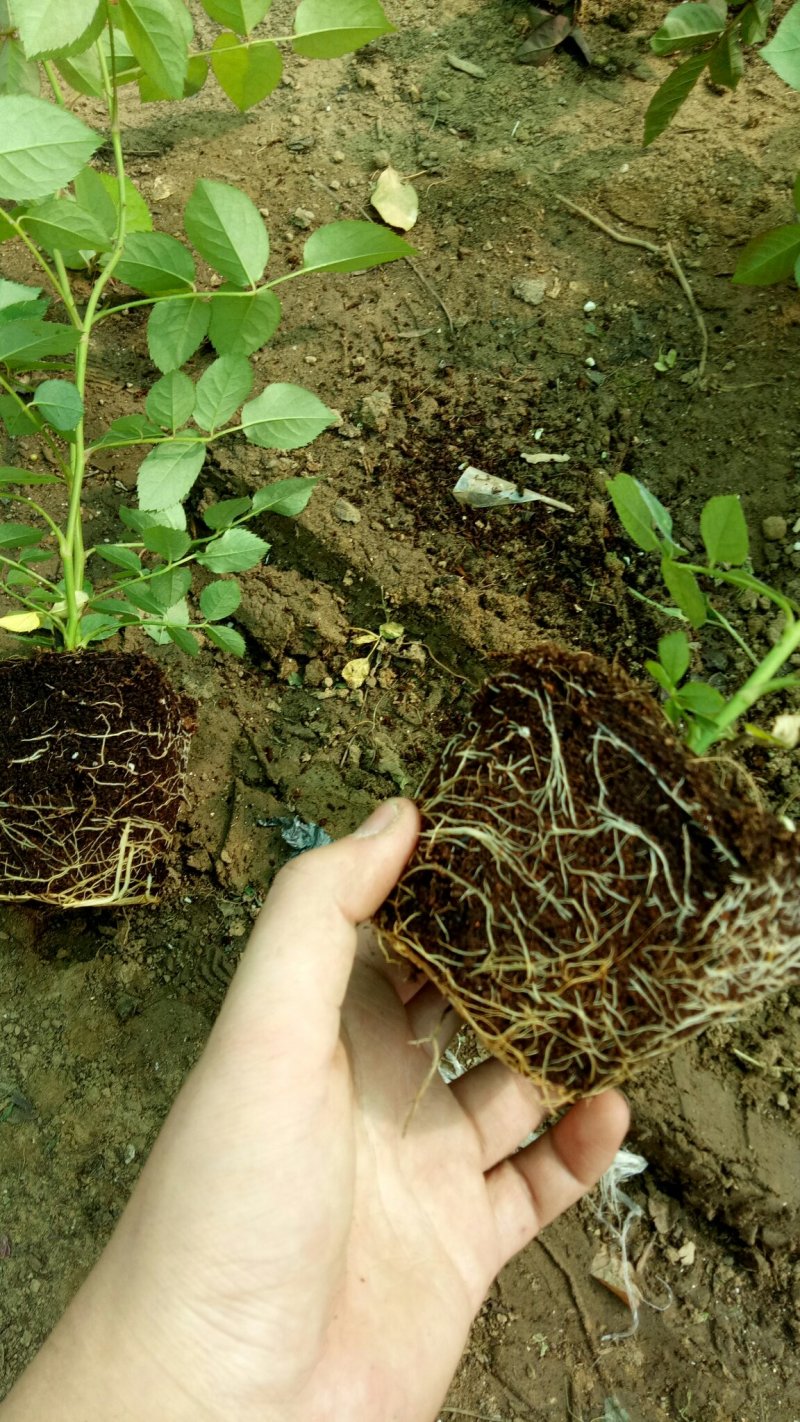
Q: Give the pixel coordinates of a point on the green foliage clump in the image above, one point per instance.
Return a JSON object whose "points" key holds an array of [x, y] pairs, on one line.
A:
{"points": [[699, 709], [83, 225]]}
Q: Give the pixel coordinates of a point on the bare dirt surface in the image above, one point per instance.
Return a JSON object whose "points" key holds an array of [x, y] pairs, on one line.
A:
{"points": [[433, 365]]}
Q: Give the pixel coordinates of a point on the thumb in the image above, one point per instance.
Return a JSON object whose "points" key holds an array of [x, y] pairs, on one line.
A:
{"points": [[300, 955]]}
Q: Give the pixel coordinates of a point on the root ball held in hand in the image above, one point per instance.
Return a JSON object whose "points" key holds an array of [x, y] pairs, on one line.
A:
{"points": [[585, 893]]}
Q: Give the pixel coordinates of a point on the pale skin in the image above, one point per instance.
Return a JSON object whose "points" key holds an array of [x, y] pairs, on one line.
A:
{"points": [[297, 1249]]}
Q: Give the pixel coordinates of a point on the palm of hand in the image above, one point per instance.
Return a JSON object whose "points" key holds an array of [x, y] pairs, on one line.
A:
{"points": [[291, 1252]]}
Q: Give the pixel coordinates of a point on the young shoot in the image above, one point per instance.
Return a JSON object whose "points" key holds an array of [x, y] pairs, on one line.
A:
{"points": [[702, 711]]}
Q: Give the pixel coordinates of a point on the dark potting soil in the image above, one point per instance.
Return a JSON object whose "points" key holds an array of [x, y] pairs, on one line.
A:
{"points": [[91, 777], [596, 896]]}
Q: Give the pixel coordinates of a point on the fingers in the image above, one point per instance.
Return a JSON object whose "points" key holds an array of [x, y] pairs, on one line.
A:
{"points": [[300, 955], [502, 1106], [431, 1018], [532, 1188]]}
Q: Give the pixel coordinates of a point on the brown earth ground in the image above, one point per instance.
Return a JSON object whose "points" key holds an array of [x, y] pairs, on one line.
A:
{"points": [[434, 365]]}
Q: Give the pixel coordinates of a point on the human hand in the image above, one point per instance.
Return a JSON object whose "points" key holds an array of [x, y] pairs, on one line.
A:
{"points": [[291, 1253]]}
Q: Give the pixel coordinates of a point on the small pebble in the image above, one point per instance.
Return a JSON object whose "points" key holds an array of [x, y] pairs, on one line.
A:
{"points": [[303, 217], [774, 528], [337, 156], [589, 307]]}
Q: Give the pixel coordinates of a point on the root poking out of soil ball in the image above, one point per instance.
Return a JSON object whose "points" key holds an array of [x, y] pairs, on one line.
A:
{"points": [[92, 768], [584, 892]]}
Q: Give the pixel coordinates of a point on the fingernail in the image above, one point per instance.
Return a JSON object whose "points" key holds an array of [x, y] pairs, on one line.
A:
{"points": [[381, 819]]}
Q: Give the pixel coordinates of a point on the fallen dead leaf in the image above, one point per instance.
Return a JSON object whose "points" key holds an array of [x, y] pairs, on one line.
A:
{"points": [[396, 201]]}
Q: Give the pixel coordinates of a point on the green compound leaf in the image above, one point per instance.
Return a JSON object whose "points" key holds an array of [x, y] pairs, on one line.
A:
{"points": [[684, 588], [176, 328], [98, 193], [129, 429], [687, 26], [18, 75], [674, 655], [226, 511], [726, 61], [159, 32], [17, 419], [24, 341], [285, 417], [286, 496], [139, 519], [156, 264], [325, 29], [9, 474], [783, 51], [769, 257], [59, 404], [170, 402], [60, 225], [42, 147], [219, 600], [352, 247], [701, 699], [228, 231], [169, 543], [239, 15], [168, 473], [247, 73], [227, 640], [196, 75], [221, 390], [19, 535], [754, 21], [241, 324], [169, 589], [671, 95], [13, 293], [183, 638], [47, 26], [120, 556], [234, 552], [84, 71], [644, 519], [724, 531]]}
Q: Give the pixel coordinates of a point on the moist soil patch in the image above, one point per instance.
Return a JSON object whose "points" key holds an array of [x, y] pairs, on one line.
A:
{"points": [[92, 772]]}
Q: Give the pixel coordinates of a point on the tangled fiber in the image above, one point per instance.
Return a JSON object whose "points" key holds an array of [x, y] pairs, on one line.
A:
{"points": [[585, 893], [92, 768]]}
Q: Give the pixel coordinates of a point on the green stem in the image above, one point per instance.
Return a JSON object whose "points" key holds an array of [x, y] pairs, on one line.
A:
{"points": [[66, 289], [52, 79], [747, 582], [43, 514], [52, 276], [74, 557], [755, 686], [716, 619], [29, 573]]}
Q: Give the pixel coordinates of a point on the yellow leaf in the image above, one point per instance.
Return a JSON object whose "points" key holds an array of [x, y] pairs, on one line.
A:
{"points": [[396, 201], [356, 672], [21, 621]]}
